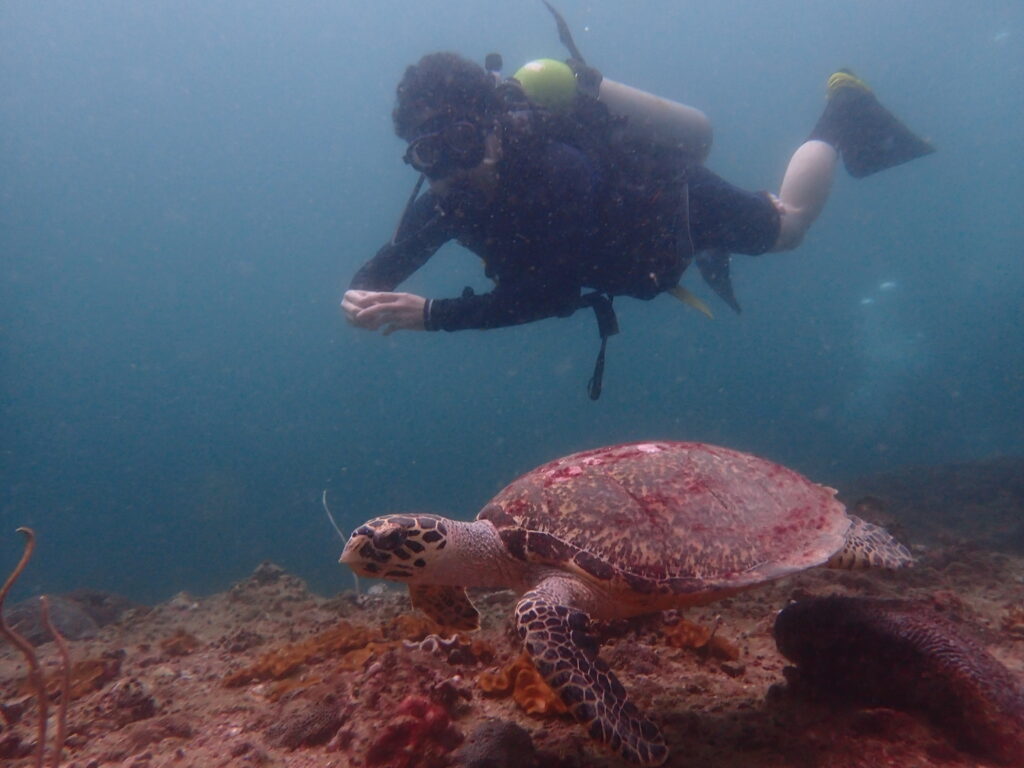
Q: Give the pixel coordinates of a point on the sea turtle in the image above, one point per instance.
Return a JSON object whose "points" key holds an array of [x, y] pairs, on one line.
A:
{"points": [[611, 533]]}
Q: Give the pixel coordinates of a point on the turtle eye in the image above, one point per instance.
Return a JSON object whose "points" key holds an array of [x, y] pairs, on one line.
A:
{"points": [[362, 530], [389, 540]]}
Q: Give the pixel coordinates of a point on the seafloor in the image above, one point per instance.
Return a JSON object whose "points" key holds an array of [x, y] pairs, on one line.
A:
{"points": [[269, 674]]}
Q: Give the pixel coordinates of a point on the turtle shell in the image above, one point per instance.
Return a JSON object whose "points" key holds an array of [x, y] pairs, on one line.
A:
{"points": [[667, 515]]}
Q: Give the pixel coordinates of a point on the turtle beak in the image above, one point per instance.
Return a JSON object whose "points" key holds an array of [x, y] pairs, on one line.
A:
{"points": [[350, 554]]}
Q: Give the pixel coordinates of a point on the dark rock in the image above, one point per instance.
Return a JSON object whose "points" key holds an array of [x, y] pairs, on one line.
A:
{"points": [[76, 615], [127, 701], [272, 585], [905, 655], [241, 640], [980, 501], [307, 724], [496, 744], [104, 607], [733, 668], [71, 620], [12, 746], [143, 735], [268, 573]]}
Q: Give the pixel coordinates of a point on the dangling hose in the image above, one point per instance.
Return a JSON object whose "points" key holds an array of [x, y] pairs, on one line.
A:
{"points": [[408, 205], [564, 35]]}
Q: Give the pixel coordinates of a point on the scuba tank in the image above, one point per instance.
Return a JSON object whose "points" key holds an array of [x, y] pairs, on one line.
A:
{"points": [[658, 120], [553, 85], [661, 121]]}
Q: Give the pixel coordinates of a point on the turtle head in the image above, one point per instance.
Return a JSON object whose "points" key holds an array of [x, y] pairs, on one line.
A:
{"points": [[397, 547]]}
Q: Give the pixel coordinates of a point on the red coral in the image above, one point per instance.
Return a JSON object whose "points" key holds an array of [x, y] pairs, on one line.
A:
{"points": [[419, 736]]}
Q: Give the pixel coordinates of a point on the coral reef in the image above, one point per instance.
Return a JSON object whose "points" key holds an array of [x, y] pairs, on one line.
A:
{"points": [[410, 626], [353, 646], [328, 681]]}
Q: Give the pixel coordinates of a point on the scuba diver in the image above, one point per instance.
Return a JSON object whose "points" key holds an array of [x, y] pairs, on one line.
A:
{"points": [[574, 189]]}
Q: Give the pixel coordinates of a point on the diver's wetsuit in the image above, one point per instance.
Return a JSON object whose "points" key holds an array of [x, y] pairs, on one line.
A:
{"points": [[555, 227]]}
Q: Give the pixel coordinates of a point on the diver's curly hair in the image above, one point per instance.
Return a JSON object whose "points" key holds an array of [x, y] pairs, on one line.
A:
{"points": [[444, 82]]}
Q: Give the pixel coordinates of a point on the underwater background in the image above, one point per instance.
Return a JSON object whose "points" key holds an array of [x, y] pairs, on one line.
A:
{"points": [[186, 189]]}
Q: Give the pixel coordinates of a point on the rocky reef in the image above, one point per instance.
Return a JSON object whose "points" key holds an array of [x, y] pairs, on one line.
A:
{"points": [[268, 674]]}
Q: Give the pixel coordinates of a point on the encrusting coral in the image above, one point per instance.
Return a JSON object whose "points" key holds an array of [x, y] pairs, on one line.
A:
{"points": [[181, 643], [282, 662], [522, 680], [353, 645], [90, 675], [455, 649]]}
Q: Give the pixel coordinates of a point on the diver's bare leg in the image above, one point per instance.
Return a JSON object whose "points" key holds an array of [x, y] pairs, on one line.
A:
{"points": [[804, 191]]}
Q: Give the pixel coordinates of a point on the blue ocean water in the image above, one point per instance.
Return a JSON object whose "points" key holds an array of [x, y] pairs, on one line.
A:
{"points": [[187, 187]]}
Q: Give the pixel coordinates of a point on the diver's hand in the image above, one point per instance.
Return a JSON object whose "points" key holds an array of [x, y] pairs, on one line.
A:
{"points": [[386, 312]]}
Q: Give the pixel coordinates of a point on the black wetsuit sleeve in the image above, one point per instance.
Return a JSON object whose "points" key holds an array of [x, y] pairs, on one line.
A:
{"points": [[535, 264], [531, 251], [512, 302], [505, 305], [422, 232]]}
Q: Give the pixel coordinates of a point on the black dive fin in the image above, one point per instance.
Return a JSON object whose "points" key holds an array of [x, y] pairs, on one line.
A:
{"points": [[714, 268], [868, 136]]}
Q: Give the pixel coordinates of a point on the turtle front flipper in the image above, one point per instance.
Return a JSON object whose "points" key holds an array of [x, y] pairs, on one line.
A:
{"points": [[870, 546], [557, 639], [448, 606]]}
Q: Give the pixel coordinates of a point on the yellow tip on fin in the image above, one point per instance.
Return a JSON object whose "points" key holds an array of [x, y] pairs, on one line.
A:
{"points": [[691, 300]]}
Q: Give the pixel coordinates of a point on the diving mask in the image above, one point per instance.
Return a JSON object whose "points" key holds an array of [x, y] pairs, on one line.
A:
{"points": [[440, 153]]}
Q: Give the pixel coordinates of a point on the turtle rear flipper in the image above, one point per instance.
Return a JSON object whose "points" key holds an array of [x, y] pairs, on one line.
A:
{"points": [[448, 606], [870, 546], [556, 637]]}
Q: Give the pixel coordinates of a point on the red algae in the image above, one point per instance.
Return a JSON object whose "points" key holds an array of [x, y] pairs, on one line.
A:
{"points": [[420, 735]]}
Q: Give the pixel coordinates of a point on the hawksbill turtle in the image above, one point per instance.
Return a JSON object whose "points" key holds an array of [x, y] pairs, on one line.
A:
{"points": [[612, 533]]}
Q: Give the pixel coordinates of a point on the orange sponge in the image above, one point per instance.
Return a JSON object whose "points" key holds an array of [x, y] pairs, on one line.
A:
{"points": [[522, 680]]}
